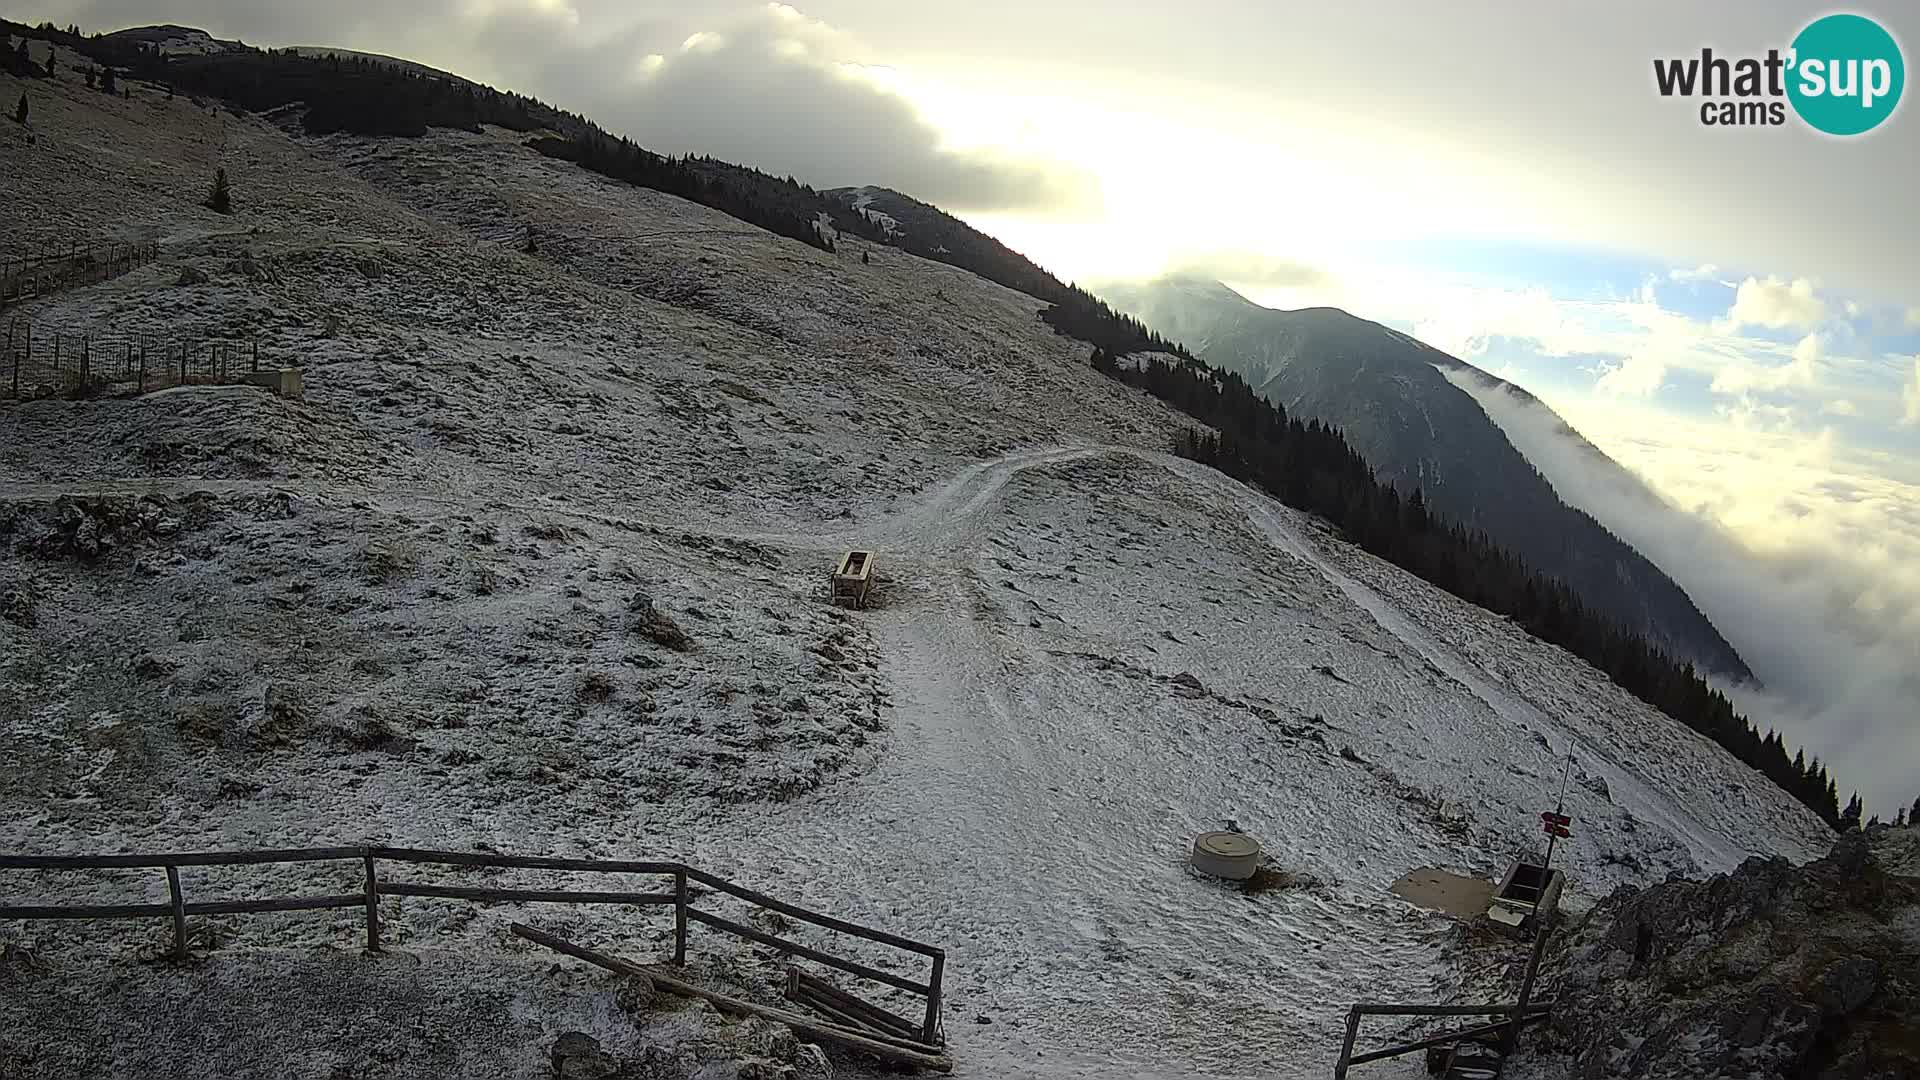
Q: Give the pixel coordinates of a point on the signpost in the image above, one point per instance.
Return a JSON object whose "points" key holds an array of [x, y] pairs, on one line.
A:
{"points": [[1556, 824]]}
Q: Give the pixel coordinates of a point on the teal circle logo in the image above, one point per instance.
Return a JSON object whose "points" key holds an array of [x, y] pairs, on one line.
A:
{"points": [[1846, 74]]}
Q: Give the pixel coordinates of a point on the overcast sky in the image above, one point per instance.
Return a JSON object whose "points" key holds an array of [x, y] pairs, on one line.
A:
{"points": [[1732, 312]]}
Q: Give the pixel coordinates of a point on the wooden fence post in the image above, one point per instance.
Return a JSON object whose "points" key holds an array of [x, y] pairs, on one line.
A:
{"points": [[143, 367], [931, 1030], [680, 917], [256, 354], [179, 913], [1346, 1046], [373, 905]]}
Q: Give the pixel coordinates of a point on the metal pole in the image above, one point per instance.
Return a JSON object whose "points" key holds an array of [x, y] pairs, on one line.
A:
{"points": [[1512, 1035]]}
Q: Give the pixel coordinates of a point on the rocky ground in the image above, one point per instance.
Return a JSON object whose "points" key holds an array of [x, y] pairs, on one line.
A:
{"points": [[538, 566], [1769, 972]]}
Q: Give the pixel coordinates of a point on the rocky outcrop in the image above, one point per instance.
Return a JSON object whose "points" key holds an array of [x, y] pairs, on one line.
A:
{"points": [[1772, 971]]}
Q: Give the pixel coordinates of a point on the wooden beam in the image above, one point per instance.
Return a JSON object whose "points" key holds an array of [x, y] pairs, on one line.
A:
{"points": [[1495, 1028], [194, 858], [524, 862], [813, 917], [814, 987], [85, 911], [557, 896], [797, 949], [680, 917], [373, 905], [179, 913], [279, 903], [925, 1057]]}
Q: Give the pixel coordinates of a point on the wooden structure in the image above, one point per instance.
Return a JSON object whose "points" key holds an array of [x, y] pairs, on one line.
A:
{"points": [[1526, 889], [51, 269], [676, 892], [852, 580], [906, 1051], [847, 1009], [1449, 1043], [36, 362]]}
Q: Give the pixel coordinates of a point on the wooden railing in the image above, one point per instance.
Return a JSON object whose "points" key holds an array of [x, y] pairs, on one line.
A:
{"points": [[679, 897]]}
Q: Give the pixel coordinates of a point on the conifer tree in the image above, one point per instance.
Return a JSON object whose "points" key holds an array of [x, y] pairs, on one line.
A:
{"points": [[220, 200], [1850, 817]]}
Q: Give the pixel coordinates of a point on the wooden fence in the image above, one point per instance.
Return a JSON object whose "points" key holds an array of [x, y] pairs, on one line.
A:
{"points": [[53, 268], [679, 897], [40, 363]]}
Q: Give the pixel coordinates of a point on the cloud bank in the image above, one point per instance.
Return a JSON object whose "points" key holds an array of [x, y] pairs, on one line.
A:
{"points": [[757, 84], [1808, 564]]}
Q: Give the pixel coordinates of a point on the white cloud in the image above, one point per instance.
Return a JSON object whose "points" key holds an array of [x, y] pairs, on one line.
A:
{"points": [[1705, 272], [1776, 305], [1798, 374], [1913, 318], [1912, 396], [1804, 552], [1840, 407], [1639, 375]]}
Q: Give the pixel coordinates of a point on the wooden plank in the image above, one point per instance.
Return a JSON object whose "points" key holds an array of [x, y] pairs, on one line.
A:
{"points": [[1346, 1045], [557, 896], [179, 913], [925, 1057], [1441, 1040], [798, 949], [1445, 1010], [813, 917], [278, 903], [874, 1016], [524, 862], [85, 911], [195, 858], [855, 1022], [931, 1031], [680, 917], [831, 1011], [373, 905]]}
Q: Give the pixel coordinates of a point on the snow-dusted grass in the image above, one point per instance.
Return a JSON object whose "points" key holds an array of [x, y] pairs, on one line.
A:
{"points": [[409, 609]]}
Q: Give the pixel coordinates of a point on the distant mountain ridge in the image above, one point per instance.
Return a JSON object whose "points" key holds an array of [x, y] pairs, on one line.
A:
{"points": [[1389, 394], [369, 94]]}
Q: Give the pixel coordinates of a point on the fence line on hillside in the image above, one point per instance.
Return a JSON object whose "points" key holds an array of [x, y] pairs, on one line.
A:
{"points": [[53, 267], [375, 886], [38, 363]]}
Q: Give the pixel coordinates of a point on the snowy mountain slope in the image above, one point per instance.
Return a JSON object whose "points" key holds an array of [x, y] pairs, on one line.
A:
{"points": [[406, 609], [1395, 401]]}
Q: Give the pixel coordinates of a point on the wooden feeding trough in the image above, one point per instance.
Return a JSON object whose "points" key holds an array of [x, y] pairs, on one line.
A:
{"points": [[852, 580], [1526, 890]]}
